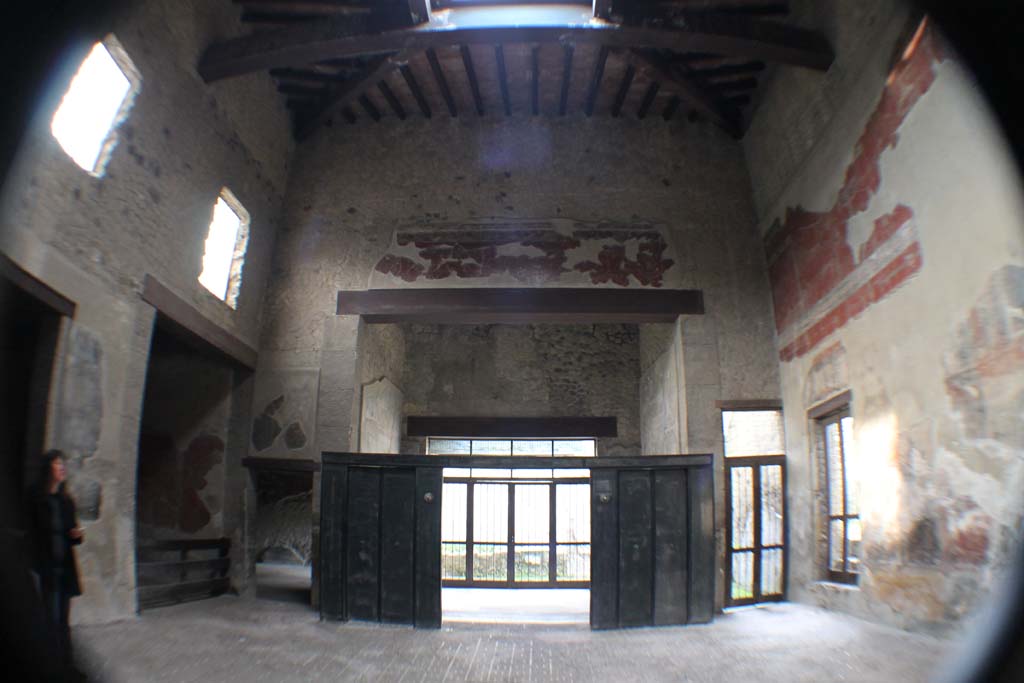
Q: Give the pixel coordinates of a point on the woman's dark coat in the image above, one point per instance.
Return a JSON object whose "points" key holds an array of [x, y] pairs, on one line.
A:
{"points": [[45, 563]]}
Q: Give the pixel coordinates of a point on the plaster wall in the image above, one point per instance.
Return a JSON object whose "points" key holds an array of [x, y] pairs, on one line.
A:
{"points": [[662, 390], [896, 262], [95, 239]]}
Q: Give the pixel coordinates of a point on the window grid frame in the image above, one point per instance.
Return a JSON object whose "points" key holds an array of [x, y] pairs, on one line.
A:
{"points": [[846, 575]]}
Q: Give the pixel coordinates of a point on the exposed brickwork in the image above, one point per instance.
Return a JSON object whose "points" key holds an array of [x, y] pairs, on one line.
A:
{"points": [[809, 253]]}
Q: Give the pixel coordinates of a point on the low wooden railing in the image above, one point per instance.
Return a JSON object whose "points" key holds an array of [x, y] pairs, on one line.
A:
{"points": [[169, 571]]}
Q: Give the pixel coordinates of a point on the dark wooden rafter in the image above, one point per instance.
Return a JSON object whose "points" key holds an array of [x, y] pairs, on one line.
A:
{"points": [[414, 88], [369, 107], [645, 106], [341, 37], [348, 115], [389, 95], [474, 85], [720, 112], [620, 96], [728, 71], [351, 90], [442, 82], [595, 81], [535, 79], [671, 107], [499, 58], [563, 104]]}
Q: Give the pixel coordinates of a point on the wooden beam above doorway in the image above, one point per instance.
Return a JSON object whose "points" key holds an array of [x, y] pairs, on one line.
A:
{"points": [[521, 306], [512, 427]]}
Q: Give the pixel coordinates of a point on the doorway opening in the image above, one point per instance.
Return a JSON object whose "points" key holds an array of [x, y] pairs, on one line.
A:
{"points": [[282, 535], [184, 518], [28, 345], [515, 543]]}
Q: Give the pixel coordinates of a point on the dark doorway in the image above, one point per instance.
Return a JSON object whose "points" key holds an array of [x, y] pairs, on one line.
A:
{"points": [[28, 345], [182, 539], [282, 535]]}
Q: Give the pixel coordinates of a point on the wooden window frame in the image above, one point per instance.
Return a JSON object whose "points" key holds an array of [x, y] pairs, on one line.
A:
{"points": [[833, 412]]}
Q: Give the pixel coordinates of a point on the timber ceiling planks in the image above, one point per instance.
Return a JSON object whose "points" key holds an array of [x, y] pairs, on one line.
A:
{"points": [[365, 61]]}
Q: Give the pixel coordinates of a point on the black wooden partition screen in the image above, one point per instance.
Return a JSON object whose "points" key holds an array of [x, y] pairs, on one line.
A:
{"points": [[652, 535]]}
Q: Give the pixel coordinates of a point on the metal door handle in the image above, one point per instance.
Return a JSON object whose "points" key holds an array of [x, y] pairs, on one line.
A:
{"points": [[428, 497]]}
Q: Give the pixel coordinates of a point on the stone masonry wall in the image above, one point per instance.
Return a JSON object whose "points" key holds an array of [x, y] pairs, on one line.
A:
{"points": [[897, 264], [527, 371], [95, 239]]}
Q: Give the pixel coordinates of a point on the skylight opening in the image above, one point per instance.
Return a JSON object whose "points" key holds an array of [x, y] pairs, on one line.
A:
{"points": [[224, 250], [98, 99]]}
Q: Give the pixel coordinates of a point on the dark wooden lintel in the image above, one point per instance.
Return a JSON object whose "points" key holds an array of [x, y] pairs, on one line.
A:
{"points": [[750, 404], [512, 427], [520, 306], [831, 405], [696, 460], [193, 324], [35, 287]]}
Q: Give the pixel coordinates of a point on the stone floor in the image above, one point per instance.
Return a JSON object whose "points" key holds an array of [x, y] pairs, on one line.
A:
{"points": [[252, 639]]}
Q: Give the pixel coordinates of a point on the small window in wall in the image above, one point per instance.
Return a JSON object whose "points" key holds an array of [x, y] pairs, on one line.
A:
{"points": [[98, 99], [835, 438], [224, 252]]}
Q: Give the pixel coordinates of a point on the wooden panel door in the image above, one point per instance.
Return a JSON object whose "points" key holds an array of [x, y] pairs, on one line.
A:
{"points": [[380, 544], [653, 547]]}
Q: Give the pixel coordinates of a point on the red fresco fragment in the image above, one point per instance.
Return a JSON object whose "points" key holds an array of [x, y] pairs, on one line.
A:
{"points": [[613, 265], [461, 254], [808, 253], [202, 453], [894, 274]]}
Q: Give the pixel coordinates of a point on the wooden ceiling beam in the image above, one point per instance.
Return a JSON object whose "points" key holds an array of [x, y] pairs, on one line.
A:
{"points": [[566, 78], [499, 58], [620, 96], [535, 79], [342, 37], [474, 86], [351, 90], [442, 82], [728, 71], [645, 106], [369, 107], [671, 107], [414, 88], [389, 95], [595, 81], [696, 96]]}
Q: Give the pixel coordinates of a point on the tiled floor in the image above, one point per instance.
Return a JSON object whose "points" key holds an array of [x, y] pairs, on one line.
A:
{"points": [[239, 639]]}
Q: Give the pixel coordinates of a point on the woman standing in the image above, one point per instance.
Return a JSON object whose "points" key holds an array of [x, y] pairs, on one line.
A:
{"points": [[56, 532]]}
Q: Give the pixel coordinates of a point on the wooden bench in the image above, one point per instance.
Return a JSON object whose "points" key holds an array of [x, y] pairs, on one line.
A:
{"points": [[170, 572]]}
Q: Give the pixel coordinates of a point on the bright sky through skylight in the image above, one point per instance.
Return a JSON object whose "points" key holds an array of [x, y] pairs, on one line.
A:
{"points": [[89, 107], [220, 249]]}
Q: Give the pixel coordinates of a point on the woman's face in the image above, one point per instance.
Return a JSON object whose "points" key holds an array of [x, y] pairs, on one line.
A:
{"points": [[57, 471]]}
